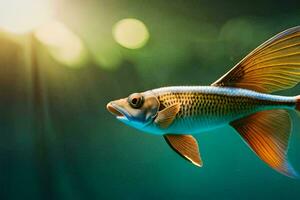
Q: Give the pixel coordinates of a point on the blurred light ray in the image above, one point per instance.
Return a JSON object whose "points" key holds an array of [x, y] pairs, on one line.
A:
{"points": [[21, 16], [64, 45], [131, 33]]}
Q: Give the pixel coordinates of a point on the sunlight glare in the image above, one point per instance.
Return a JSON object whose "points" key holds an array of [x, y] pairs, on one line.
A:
{"points": [[23, 16]]}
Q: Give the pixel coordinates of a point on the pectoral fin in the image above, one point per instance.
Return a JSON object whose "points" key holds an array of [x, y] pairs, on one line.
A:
{"points": [[166, 116], [186, 146], [267, 134]]}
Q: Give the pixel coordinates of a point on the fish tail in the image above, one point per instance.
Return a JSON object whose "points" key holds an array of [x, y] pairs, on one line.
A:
{"points": [[298, 103]]}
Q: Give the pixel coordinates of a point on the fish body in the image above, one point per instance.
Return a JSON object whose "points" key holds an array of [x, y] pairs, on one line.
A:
{"points": [[242, 99], [205, 108]]}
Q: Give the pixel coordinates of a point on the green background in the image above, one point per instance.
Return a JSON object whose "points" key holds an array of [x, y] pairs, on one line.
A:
{"points": [[68, 146]]}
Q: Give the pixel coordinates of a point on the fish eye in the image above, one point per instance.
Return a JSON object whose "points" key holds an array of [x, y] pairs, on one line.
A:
{"points": [[136, 100]]}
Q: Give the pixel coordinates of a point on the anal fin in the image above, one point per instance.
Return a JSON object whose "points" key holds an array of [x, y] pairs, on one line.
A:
{"points": [[267, 134], [186, 146]]}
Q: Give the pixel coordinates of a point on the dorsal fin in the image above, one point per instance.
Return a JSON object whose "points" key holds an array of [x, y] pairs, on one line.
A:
{"points": [[267, 134], [273, 66]]}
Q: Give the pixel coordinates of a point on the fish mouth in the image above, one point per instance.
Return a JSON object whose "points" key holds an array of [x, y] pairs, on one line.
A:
{"points": [[116, 111]]}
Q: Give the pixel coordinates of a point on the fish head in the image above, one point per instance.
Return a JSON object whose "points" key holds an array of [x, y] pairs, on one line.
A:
{"points": [[137, 110]]}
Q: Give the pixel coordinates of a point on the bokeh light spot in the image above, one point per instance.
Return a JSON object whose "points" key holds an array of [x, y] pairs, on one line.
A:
{"points": [[23, 16], [131, 33], [65, 46]]}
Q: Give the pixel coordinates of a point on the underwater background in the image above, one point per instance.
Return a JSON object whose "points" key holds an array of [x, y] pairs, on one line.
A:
{"points": [[58, 141]]}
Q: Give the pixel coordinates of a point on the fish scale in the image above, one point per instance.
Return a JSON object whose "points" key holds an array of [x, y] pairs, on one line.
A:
{"points": [[195, 104], [204, 107]]}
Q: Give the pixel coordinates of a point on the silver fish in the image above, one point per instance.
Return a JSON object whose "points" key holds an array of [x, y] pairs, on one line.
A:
{"points": [[240, 98]]}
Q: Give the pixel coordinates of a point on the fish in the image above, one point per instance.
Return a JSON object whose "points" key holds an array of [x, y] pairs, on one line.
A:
{"points": [[243, 98]]}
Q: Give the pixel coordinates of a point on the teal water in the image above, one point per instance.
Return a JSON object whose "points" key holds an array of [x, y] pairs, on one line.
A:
{"points": [[82, 152], [58, 141]]}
